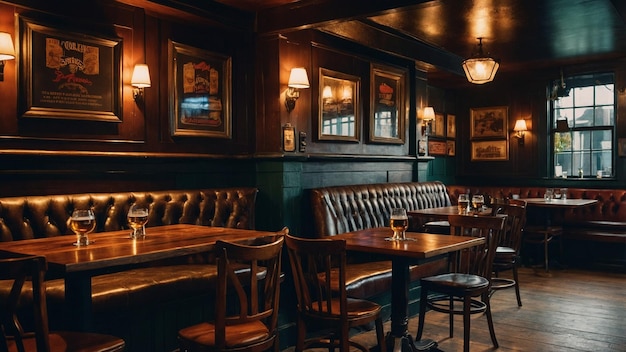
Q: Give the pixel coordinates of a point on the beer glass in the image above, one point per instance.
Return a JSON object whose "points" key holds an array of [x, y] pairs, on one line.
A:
{"points": [[82, 222], [137, 218], [463, 203], [399, 223]]}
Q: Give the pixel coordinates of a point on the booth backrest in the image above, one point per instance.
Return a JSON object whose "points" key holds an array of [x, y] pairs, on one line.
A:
{"points": [[44, 216], [341, 209]]}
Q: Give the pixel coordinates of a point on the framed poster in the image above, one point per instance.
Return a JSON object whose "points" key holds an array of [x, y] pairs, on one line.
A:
{"points": [[339, 106], [451, 148], [68, 75], [438, 126], [387, 105], [437, 147], [451, 126], [489, 122], [200, 92], [496, 150]]}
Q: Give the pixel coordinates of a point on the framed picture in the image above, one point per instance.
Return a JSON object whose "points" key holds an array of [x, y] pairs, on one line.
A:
{"points": [[451, 148], [489, 122], [436, 147], [621, 146], [289, 138], [438, 126], [339, 106], [451, 126], [387, 105], [496, 150], [68, 75], [199, 92]]}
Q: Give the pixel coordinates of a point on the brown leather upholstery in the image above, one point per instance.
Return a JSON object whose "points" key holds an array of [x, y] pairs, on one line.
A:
{"points": [[341, 209], [43, 216]]}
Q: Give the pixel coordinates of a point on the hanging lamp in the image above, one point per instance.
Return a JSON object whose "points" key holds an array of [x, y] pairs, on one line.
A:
{"points": [[480, 69]]}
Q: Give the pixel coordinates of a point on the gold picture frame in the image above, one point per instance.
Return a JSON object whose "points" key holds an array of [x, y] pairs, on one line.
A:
{"points": [[387, 104], [438, 126], [451, 148], [200, 92], [492, 150], [339, 115], [451, 126], [490, 122]]}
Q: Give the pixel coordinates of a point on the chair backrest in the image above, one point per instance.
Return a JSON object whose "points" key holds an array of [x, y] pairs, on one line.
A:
{"points": [[515, 223], [16, 323], [252, 270], [318, 267], [477, 260]]}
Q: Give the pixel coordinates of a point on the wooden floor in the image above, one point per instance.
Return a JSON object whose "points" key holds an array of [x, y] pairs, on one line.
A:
{"points": [[573, 310]]}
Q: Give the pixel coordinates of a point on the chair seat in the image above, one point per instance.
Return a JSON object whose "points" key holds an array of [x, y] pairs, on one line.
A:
{"points": [[203, 334], [457, 281], [356, 307], [62, 341]]}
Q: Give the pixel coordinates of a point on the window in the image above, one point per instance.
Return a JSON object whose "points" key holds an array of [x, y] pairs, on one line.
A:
{"points": [[583, 148]]}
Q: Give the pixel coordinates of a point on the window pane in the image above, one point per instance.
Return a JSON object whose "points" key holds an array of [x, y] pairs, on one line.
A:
{"points": [[583, 117], [565, 102], [605, 94], [581, 140], [583, 96], [604, 116]]}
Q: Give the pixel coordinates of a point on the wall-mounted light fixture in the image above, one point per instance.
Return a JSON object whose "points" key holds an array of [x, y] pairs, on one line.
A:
{"points": [[140, 80], [298, 79], [7, 52], [428, 115], [480, 68], [520, 129], [562, 126]]}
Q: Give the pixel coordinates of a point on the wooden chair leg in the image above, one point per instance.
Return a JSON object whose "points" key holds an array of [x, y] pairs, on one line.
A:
{"points": [[380, 334], [467, 303], [301, 331], [515, 277], [545, 251], [451, 316], [492, 332]]}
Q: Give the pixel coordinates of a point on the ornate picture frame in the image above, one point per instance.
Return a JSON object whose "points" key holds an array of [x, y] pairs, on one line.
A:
{"points": [[492, 150], [388, 110], [490, 122], [67, 74], [199, 92], [339, 114]]}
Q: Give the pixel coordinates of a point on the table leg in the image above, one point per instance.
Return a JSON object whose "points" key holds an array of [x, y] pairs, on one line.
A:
{"points": [[78, 302], [399, 339]]}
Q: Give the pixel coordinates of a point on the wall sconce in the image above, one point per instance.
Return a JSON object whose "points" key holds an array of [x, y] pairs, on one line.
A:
{"points": [[7, 52], [520, 129], [140, 80], [562, 126], [480, 68], [428, 115], [298, 79]]}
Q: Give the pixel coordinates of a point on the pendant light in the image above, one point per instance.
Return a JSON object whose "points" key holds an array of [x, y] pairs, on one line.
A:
{"points": [[480, 69]]}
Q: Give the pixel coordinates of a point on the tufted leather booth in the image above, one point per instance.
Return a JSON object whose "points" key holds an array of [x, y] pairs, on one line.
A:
{"points": [[604, 221], [43, 216], [341, 209]]}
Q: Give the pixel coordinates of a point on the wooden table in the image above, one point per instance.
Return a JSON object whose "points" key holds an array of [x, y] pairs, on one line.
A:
{"points": [[115, 251], [425, 247], [420, 217]]}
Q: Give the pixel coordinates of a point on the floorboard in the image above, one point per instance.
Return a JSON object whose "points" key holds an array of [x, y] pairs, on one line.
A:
{"points": [[572, 310]]}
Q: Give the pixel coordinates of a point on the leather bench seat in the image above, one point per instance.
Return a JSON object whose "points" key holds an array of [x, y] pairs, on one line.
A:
{"points": [[341, 209]]}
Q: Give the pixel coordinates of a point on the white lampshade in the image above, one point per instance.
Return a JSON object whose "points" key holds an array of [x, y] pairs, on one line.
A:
{"points": [[7, 51], [327, 93], [429, 113], [520, 125], [298, 78], [141, 76]]}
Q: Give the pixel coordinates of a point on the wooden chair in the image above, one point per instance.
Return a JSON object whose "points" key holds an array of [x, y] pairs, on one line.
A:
{"points": [[469, 278], [251, 273], [318, 267], [508, 251], [23, 331]]}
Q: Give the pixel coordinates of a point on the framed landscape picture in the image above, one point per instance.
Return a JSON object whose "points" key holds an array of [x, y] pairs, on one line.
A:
{"points": [[496, 150], [200, 92], [489, 122], [339, 106]]}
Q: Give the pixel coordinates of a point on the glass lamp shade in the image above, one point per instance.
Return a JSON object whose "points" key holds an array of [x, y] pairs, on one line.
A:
{"points": [[141, 76], [298, 78], [480, 70], [7, 52], [429, 113]]}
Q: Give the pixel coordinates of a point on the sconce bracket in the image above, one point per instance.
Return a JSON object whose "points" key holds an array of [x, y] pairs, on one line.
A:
{"points": [[291, 95], [520, 137], [1, 70], [138, 95]]}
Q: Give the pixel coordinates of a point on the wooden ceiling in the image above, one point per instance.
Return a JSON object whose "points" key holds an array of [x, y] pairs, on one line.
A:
{"points": [[521, 33]]}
